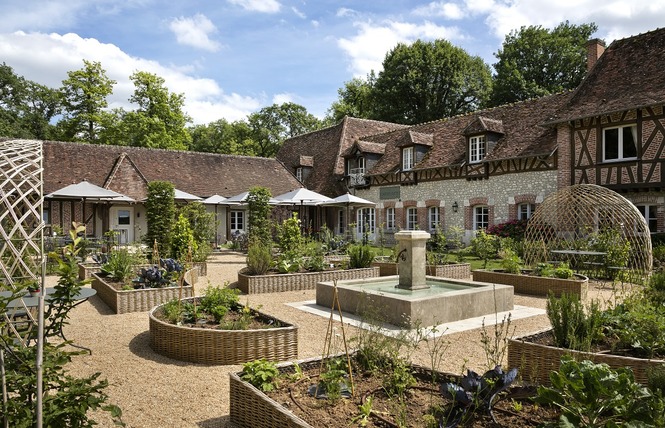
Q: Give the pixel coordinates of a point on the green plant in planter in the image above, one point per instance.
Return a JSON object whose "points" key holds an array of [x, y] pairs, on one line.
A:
{"points": [[262, 374], [259, 259], [594, 395], [360, 256], [120, 264], [510, 261], [217, 301], [573, 326], [182, 241], [485, 246]]}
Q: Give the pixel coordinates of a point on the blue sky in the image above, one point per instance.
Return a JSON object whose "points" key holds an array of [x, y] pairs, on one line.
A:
{"points": [[232, 57]]}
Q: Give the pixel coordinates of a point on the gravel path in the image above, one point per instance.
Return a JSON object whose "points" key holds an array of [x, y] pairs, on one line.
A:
{"points": [[155, 391]]}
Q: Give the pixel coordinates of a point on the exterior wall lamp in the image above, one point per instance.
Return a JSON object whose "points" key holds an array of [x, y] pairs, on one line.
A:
{"points": [[455, 206]]}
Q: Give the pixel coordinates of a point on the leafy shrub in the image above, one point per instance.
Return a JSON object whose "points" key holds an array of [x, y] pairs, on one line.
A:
{"points": [[656, 379], [510, 261], [120, 264], [217, 301], [594, 395], [514, 229], [360, 256], [659, 257], [314, 260], [290, 240], [160, 215], [397, 380], [562, 270], [611, 241], [259, 259], [259, 215], [655, 291], [172, 311], [638, 325], [436, 247], [574, 327], [202, 225], [182, 241], [262, 374], [485, 246]]}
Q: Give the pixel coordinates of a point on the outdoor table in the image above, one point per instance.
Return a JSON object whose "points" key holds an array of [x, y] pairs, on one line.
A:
{"points": [[14, 307], [572, 257]]}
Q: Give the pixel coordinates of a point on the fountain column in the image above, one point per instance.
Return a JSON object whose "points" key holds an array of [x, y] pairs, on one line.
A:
{"points": [[411, 258]]}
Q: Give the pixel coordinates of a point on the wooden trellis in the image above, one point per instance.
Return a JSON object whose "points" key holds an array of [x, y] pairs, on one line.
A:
{"points": [[582, 222]]}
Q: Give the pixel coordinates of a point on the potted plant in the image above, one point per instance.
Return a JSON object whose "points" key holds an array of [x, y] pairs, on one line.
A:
{"points": [[34, 289]]}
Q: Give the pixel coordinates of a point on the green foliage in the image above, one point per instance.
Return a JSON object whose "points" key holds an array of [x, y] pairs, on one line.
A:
{"points": [[172, 311], [262, 374], [365, 411], [354, 100], [160, 214], [659, 256], [290, 240], [333, 377], [514, 229], [425, 81], [594, 395], [638, 325], [436, 247], [84, 94], [655, 290], [360, 256], [259, 216], [485, 246], [202, 224], [259, 259], [121, 263], [314, 260], [656, 379], [510, 261], [217, 301], [221, 136], [611, 241], [573, 326], [398, 379], [561, 270], [536, 61], [182, 239]]}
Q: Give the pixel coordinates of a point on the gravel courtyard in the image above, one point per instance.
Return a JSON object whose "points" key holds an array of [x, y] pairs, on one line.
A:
{"points": [[155, 391]]}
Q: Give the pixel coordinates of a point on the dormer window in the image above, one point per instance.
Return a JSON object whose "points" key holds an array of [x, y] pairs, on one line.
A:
{"points": [[361, 165], [477, 148], [299, 173], [619, 143], [407, 158]]}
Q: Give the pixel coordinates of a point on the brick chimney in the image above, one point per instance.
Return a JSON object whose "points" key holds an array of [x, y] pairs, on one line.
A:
{"points": [[594, 49]]}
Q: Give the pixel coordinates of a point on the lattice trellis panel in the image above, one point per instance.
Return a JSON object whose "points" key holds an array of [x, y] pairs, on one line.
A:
{"points": [[21, 228], [590, 227]]}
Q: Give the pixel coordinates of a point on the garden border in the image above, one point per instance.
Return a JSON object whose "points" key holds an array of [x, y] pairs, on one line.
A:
{"points": [[534, 285], [255, 284], [451, 270], [222, 347]]}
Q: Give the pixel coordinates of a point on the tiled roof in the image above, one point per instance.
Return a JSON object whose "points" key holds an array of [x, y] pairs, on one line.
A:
{"points": [[484, 124], [306, 160], [523, 135], [202, 174], [628, 75], [327, 146], [412, 137]]}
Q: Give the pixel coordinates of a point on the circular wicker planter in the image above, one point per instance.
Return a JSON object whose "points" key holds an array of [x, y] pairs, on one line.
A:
{"points": [[212, 346]]}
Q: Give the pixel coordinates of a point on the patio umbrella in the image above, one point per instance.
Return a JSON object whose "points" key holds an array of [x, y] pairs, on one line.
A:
{"points": [[184, 196], [302, 196], [241, 199], [347, 200], [215, 200]]}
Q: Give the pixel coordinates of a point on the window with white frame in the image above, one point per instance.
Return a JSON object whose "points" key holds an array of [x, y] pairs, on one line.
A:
{"points": [[340, 222], [525, 211], [299, 173], [390, 218], [476, 148], [365, 220], [237, 221], [620, 143], [481, 217], [433, 218], [407, 158], [649, 212], [361, 165], [411, 218]]}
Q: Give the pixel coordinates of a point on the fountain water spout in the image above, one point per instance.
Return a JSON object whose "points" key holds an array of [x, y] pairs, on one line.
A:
{"points": [[412, 269]]}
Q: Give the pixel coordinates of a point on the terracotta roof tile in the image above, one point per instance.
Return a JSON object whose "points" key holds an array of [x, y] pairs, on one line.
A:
{"points": [[202, 174], [306, 160], [628, 75]]}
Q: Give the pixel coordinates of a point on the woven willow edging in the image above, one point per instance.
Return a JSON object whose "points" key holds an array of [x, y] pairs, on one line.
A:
{"points": [[87, 269], [251, 408], [124, 301], [453, 270], [535, 361], [535, 285], [254, 284], [213, 346]]}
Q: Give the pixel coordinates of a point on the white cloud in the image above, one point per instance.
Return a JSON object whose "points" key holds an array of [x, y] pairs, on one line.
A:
{"points": [[479, 6], [343, 11], [195, 31], [264, 6], [443, 9], [53, 55], [298, 13], [368, 48], [283, 98]]}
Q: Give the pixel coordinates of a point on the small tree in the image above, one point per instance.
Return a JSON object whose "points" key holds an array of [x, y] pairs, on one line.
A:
{"points": [[259, 216], [485, 246], [183, 239], [160, 214], [202, 224]]}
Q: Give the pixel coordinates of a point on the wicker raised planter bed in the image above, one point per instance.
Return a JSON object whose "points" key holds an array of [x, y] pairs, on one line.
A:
{"points": [[536, 361], [254, 284], [86, 269], [214, 346], [124, 301], [453, 270], [535, 285]]}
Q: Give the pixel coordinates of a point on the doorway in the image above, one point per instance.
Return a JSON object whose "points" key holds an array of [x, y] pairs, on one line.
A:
{"points": [[122, 222]]}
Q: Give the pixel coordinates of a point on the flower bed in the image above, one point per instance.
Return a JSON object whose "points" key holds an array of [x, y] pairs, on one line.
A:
{"points": [[216, 346], [452, 270], [535, 285], [254, 284], [535, 361], [124, 301]]}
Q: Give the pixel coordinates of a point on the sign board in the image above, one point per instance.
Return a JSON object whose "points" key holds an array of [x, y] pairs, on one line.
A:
{"points": [[391, 192]]}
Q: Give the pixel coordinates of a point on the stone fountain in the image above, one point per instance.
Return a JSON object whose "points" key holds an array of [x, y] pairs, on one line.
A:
{"points": [[411, 298]]}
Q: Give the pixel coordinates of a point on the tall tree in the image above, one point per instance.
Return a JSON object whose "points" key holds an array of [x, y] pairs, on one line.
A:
{"points": [[273, 124], [84, 100], [26, 107], [535, 61], [221, 136], [354, 100], [427, 81], [159, 121]]}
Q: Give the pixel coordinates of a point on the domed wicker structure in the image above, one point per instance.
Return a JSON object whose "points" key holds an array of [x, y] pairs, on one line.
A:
{"points": [[592, 228]]}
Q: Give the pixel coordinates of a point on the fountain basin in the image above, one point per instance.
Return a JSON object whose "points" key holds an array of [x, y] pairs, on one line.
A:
{"points": [[446, 300]]}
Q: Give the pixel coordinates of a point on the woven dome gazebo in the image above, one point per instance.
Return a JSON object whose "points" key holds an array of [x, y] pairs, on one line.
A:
{"points": [[582, 222]]}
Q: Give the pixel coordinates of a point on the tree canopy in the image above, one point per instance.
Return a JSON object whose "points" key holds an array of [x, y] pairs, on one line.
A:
{"points": [[535, 61]]}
